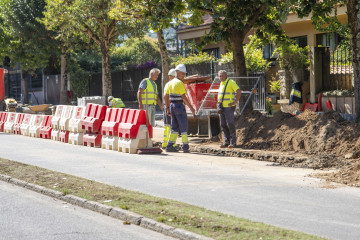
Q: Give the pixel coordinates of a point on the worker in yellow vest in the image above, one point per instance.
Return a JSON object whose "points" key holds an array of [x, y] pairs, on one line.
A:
{"points": [[228, 96], [167, 119], [115, 102], [175, 97], [148, 95]]}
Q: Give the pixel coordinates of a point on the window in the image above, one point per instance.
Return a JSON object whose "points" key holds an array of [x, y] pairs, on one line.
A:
{"points": [[213, 52], [300, 41], [268, 52], [328, 40]]}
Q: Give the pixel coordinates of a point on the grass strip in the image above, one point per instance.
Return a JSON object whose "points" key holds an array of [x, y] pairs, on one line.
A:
{"points": [[177, 214]]}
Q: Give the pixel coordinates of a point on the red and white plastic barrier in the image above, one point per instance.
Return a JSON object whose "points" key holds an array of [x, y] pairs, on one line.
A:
{"points": [[110, 128], [34, 129], [46, 129], [91, 123], [3, 118], [9, 124], [133, 132], [17, 126]]}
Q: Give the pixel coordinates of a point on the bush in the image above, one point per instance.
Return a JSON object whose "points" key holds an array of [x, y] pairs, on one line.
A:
{"points": [[292, 57], [195, 59], [137, 52]]}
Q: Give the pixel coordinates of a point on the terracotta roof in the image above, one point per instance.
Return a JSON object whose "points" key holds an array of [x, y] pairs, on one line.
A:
{"points": [[207, 21]]}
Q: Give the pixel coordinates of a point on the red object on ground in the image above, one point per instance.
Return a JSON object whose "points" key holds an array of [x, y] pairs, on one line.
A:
{"points": [[130, 128], [64, 136], [319, 102], [94, 116], [313, 107], [45, 130], [196, 93], [3, 117], [329, 105], [2, 87], [92, 140]]}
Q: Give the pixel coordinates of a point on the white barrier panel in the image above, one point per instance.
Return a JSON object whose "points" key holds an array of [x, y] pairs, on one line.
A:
{"points": [[65, 118], [56, 118], [75, 121], [34, 130], [110, 143], [25, 126], [76, 138], [10, 121], [55, 135], [129, 145]]}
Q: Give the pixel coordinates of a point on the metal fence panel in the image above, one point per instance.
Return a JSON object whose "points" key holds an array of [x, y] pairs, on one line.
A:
{"points": [[53, 86]]}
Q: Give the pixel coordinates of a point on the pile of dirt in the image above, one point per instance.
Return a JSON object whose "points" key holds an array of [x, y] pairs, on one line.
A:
{"points": [[310, 133], [326, 137]]}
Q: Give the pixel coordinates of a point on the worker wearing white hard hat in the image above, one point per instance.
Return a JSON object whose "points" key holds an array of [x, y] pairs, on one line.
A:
{"points": [[174, 96]]}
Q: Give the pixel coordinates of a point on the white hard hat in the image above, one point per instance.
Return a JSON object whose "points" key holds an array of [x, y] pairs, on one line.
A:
{"points": [[172, 72], [181, 68], [110, 98]]}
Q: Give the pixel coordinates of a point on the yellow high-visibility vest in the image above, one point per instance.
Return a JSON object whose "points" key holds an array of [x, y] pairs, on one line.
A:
{"points": [[117, 103], [230, 92], [151, 93]]}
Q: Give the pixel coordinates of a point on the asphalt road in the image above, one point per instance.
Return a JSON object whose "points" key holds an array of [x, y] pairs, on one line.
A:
{"points": [[28, 215], [250, 189]]}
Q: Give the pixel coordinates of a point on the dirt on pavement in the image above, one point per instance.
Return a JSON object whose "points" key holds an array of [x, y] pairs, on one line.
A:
{"points": [[329, 140]]}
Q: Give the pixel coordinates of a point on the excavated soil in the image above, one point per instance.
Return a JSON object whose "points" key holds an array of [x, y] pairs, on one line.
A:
{"points": [[327, 139]]}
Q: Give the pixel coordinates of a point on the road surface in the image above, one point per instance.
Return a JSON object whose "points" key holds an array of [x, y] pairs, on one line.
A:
{"points": [[250, 189], [28, 215]]}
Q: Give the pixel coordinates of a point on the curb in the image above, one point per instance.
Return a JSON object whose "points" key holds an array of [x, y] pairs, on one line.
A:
{"points": [[113, 212]]}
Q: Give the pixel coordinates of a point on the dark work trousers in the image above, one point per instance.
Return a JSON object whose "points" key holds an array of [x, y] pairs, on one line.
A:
{"points": [[227, 123], [179, 122], [167, 119]]}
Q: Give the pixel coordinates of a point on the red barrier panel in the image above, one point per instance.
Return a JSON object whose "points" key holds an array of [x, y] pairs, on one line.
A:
{"points": [[64, 136], [123, 119], [92, 140], [18, 122], [45, 130], [3, 118], [110, 126], [197, 92], [92, 122], [130, 128]]}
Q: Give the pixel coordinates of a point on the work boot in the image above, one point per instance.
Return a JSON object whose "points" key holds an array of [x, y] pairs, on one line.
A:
{"points": [[231, 146], [171, 149], [186, 148], [225, 145]]}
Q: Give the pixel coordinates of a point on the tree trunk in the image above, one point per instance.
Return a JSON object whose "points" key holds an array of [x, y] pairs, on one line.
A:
{"points": [[64, 77], [25, 90], [106, 70], [164, 58], [354, 22], [236, 40]]}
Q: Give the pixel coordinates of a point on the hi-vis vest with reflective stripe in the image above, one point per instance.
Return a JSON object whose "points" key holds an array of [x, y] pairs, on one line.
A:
{"points": [[117, 103], [175, 86], [151, 93], [229, 96]]}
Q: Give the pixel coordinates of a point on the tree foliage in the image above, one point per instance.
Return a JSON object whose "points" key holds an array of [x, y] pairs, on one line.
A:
{"points": [[233, 20], [23, 38], [90, 20], [136, 52]]}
